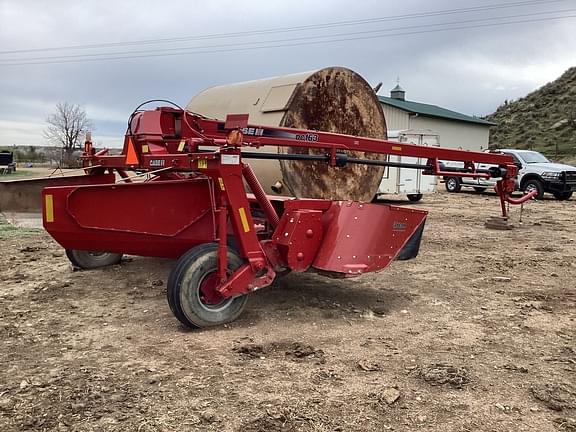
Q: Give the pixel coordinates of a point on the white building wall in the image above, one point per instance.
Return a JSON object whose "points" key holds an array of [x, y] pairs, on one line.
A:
{"points": [[396, 119], [453, 134]]}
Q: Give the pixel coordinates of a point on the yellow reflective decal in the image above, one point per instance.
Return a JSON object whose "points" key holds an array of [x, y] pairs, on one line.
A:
{"points": [[49, 208], [145, 148], [396, 148], [244, 219], [181, 146], [221, 183], [203, 164]]}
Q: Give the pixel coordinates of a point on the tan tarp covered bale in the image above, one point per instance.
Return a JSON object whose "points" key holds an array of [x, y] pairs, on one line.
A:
{"points": [[332, 99]]}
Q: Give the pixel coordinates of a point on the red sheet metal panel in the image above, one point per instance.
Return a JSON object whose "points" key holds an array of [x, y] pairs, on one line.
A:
{"points": [[24, 195], [298, 237], [162, 219], [158, 208], [360, 238]]}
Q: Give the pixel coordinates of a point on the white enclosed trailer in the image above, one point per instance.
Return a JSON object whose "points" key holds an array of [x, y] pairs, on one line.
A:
{"points": [[406, 181]]}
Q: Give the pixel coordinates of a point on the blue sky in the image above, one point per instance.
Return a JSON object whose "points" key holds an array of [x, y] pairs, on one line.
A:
{"points": [[471, 70]]}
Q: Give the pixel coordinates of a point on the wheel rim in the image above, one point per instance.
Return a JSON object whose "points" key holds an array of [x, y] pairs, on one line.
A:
{"points": [[452, 184], [97, 257], [531, 187], [208, 296], [98, 254]]}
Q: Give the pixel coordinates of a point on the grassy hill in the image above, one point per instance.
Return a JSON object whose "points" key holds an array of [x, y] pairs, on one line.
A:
{"points": [[544, 120]]}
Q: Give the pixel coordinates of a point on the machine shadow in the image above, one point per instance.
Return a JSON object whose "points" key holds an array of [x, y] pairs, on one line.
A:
{"points": [[306, 296]]}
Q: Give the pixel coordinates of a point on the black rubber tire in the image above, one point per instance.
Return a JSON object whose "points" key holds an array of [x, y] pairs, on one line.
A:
{"points": [[480, 189], [452, 184], [414, 197], [534, 184], [87, 260], [183, 288], [562, 196]]}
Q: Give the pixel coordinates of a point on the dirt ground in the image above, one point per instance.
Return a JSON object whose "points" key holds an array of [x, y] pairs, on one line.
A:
{"points": [[478, 333]]}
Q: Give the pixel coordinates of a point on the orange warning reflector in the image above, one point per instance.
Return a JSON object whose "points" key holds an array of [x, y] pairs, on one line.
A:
{"points": [[49, 208], [131, 156]]}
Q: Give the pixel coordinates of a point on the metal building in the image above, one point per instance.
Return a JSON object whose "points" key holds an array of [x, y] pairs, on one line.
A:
{"points": [[456, 130]]}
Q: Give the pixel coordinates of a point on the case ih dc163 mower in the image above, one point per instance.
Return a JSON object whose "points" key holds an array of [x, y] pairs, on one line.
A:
{"points": [[194, 206]]}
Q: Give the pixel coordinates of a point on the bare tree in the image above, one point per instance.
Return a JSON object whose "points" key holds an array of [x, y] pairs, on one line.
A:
{"points": [[66, 127]]}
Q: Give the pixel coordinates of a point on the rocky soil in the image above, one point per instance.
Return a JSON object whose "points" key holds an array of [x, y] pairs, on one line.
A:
{"points": [[478, 333]]}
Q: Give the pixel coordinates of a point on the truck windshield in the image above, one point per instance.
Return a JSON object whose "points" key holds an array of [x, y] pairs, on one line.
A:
{"points": [[533, 157]]}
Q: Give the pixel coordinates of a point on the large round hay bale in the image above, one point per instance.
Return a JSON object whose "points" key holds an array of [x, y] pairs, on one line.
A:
{"points": [[333, 99]]}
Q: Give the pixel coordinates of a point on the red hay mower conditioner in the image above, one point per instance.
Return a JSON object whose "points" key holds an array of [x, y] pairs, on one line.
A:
{"points": [[193, 205]]}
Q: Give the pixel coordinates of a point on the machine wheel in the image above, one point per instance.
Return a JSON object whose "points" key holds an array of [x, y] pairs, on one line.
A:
{"points": [[480, 189], [453, 184], [191, 294], [414, 197], [534, 184], [88, 260], [562, 196]]}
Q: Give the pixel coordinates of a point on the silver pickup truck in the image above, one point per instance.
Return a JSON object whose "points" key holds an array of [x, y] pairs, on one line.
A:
{"points": [[535, 173]]}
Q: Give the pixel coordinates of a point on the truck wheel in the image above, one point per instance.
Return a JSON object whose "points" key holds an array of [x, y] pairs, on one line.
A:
{"points": [[453, 184], [191, 288], [534, 184], [88, 260], [414, 197], [480, 189], [562, 196]]}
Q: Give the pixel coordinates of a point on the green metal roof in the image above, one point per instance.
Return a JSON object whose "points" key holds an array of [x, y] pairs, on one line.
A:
{"points": [[431, 111]]}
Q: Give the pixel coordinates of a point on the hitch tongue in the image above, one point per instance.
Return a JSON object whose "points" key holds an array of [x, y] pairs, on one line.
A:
{"points": [[504, 189]]}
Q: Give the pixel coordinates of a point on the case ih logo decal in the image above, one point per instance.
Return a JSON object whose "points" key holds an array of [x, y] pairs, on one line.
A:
{"points": [[157, 163], [272, 133], [399, 226], [252, 131]]}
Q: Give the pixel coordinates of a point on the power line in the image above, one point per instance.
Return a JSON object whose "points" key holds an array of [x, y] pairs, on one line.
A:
{"points": [[290, 44], [294, 28], [305, 38]]}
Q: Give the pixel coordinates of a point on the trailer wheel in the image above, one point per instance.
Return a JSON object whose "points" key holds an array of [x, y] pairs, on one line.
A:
{"points": [[414, 197], [191, 294], [88, 260], [452, 184]]}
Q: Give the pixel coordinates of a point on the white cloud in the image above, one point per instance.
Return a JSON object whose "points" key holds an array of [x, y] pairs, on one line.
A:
{"points": [[98, 113], [21, 133], [471, 70]]}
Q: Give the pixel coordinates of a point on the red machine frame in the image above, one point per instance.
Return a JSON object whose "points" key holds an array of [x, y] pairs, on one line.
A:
{"points": [[197, 195]]}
